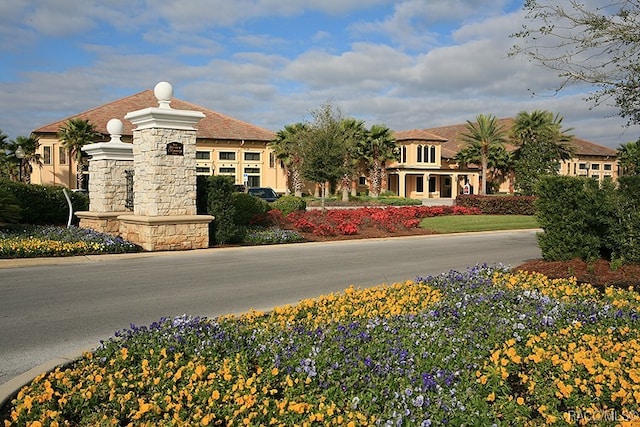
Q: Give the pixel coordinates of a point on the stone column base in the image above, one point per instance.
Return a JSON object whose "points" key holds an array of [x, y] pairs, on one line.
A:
{"points": [[166, 233], [104, 222]]}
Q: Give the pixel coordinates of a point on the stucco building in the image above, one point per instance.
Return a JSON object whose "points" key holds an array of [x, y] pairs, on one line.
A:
{"points": [[228, 146]]}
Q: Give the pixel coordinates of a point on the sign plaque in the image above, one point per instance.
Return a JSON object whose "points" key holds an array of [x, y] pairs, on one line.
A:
{"points": [[175, 149]]}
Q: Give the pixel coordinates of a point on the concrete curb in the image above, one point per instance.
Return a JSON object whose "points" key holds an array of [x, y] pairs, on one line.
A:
{"points": [[11, 388]]}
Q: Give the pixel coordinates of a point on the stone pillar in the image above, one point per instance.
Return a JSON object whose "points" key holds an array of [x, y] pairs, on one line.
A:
{"points": [[164, 154], [107, 185]]}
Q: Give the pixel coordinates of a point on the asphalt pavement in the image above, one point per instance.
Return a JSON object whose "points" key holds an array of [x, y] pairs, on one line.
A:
{"points": [[52, 309]]}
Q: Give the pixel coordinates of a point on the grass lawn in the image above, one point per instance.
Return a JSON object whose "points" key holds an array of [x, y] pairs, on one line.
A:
{"points": [[464, 223]]}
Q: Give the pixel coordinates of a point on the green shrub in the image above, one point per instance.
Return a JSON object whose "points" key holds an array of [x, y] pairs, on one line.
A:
{"points": [[576, 216], [9, 209], [499, 205], [45, 205], [625, 230], [288, 204], [219, 191], [248, 209], [398, 201]]}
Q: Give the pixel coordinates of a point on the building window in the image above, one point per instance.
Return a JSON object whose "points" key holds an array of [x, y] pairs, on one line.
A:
{"points": [[62, 155], [432, 184], [252, 176], [227, 155], [582, 166], [203, 170], [46, 155], [362, 180], [227, 171], [426, 154], [420, 184], [272, 160], [607, 167], [203, 155], [252, 157], [404, 154], [595, 166]]}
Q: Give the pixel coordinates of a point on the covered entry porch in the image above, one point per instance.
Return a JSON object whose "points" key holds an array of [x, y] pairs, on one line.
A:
{"points": [[418, 184]]}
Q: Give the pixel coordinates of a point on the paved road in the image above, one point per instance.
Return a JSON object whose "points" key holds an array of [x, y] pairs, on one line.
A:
{"points": [[55, 308]]}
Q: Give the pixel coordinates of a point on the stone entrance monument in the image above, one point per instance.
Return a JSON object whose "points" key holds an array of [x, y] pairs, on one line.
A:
{"points": [[163, 166]]}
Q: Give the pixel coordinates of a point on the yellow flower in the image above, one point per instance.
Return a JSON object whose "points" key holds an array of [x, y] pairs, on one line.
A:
{"points": [[491, 397]]}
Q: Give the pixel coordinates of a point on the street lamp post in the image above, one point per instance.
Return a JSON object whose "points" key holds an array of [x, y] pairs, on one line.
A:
{"points": [[20, 155]]}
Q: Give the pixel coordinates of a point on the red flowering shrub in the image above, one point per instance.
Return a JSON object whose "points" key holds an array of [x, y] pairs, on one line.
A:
{"points": [[348, 228], [351, 221]]}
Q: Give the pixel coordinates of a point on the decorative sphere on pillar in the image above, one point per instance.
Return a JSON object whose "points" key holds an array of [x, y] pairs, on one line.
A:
{"points": [[163, 92], [115, 128]]}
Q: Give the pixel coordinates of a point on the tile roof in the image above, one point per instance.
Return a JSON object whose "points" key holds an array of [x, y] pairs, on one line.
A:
{"points": [[454, 144], [213, 126], [417, 135]]}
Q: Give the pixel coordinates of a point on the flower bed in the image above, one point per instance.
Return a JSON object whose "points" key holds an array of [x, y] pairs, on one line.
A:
{"points": [[352, 221], [483, 346], [32, 241]]}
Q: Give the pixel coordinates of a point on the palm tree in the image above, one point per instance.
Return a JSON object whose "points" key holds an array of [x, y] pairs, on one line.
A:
{"points": [[542, 145], [287, 148], [482, 137], [629, 158], [29, 146], [7, 166], [379, 146], [75, 134], [354, 134], [499, 162]]}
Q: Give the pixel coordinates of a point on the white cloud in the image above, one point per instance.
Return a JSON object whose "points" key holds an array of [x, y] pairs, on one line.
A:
{"points": [[218, 54]]}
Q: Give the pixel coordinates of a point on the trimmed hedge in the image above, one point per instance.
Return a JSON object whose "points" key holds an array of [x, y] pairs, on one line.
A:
{"points": [[248, 209], [288, 204], [44, 204], [575, 214], [499, 205], [625, 230]]}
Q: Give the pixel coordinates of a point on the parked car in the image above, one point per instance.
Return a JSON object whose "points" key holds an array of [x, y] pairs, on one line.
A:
{"points": [[264, 193]]}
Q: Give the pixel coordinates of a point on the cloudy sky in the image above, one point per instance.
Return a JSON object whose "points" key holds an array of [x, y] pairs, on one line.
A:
{"points": [[408, 64]]}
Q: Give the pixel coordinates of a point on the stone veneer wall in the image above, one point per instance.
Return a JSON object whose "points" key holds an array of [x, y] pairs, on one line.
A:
{"points": [[107, 186], [104, 222], [160, 179], [166, 233]]}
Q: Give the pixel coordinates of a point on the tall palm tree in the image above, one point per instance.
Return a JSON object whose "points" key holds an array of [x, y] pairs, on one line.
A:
{"points": [[288, 148], [379, 146], [354, 134], [499, 162], [542, 144], [7, 166], [30, 146], [629, 158], [543, 129], [483, 136], [75, 134]]}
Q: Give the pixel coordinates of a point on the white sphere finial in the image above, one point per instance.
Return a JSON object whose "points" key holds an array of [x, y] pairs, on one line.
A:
{"points": [[115, 128], [163, 92]]}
